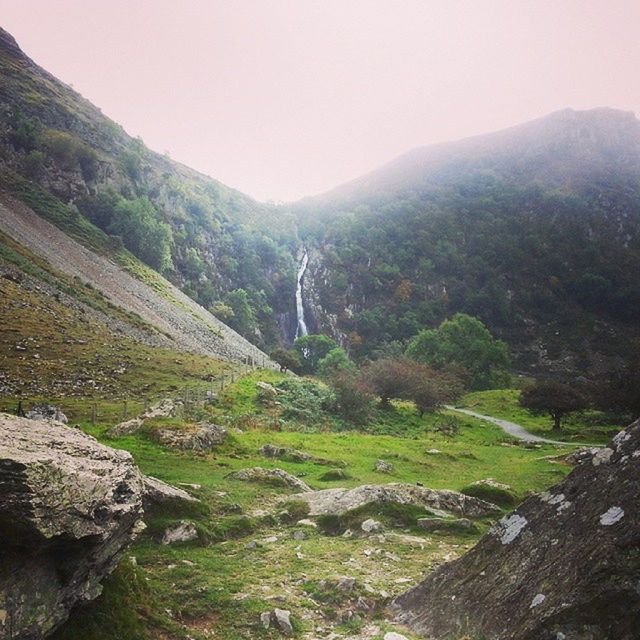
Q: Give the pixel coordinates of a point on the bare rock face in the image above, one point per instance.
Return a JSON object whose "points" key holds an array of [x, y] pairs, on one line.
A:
{"points": [[565, 565], [440, 502], [69, 507]]}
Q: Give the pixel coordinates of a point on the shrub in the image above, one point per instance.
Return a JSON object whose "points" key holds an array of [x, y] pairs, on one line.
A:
{"points": [[553, 398], [352, 397]]}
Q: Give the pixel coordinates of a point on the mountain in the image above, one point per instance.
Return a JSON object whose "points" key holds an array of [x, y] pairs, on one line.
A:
{"points": [[206, 238], [534, 229]]}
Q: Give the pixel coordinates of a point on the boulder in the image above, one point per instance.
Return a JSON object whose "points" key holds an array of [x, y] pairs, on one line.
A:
{"points": [[203, 437], [184, 531], [284, 453], [564, 564], [267, 393], [157, 492], [277, 477], [46, 411], [164, 409], [439, 501], [69, 507]]}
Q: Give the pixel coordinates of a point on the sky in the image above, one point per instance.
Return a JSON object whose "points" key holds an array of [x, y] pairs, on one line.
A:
{"points": [[287, 98]]}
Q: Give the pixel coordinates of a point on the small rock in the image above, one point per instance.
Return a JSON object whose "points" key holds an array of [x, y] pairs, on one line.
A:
{"points": [[444, 524], [392, 635], [371, 526], [305, 522], [252, 545], [282, 619], [299, 535], [346, 584], [185, 531], [265, 619], [382, 466]]}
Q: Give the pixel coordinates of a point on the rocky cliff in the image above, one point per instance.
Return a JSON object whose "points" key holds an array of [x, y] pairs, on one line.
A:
{"points": [[564, 566], [69, 507]]}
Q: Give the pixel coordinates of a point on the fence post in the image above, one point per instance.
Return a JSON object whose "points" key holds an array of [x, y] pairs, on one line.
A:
{"points": [[94, 413], [125, 410]]}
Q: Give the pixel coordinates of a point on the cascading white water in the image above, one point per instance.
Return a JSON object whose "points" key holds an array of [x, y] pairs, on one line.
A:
{"points": [[301, 329]]}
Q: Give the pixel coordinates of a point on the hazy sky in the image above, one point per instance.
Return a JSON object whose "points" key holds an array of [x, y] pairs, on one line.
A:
{"points": [[286, 98]]}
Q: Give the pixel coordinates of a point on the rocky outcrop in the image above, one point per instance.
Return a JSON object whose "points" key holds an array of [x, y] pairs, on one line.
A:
{"points": [[203, 437], [46, 411], [276, 477], [564, 565], [69, 507], [293, 455], [441, 502]]}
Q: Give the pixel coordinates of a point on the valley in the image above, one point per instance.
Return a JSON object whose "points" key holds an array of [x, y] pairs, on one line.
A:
{"points": [[359, 416]]}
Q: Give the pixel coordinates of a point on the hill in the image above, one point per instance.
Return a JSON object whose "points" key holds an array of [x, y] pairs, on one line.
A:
{"points": [[206, 238], [534, 229]]}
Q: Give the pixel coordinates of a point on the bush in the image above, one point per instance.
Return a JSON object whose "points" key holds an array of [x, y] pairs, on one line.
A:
{"points": [[352, 397], [553, 398]]}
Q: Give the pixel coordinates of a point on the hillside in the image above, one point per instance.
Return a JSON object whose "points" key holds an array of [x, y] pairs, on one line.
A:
{"points": [[535, 229], [223, 249]]}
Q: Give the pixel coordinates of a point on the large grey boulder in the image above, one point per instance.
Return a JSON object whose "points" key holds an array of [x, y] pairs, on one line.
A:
{"points": [[69, 507], [564, 565], [276, 477], [46, 411], [439, 501]]}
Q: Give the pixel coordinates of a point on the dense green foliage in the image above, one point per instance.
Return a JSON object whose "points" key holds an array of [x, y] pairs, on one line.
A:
{"points": [[312, 349], [465, 342], [535, 235]]}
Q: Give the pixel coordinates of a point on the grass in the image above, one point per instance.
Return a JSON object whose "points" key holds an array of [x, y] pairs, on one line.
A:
{"points": [[586, 426], [217, 587]]}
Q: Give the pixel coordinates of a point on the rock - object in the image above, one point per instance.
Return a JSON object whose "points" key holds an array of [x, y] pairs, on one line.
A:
{"points": [[564, 564], [46, 411], [279, 619], [382, 466], [440, 502], [276, 477], [267, 394], [203, 437], [184, 531], [283, 453], [69, 507], [157, 493], [164, 409]]}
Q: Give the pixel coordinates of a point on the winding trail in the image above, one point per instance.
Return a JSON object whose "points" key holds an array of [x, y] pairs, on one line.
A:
{"points": [[516, 430]]}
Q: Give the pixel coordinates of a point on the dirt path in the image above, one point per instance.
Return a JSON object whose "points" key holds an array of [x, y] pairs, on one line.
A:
{"points": [[516, 430]]}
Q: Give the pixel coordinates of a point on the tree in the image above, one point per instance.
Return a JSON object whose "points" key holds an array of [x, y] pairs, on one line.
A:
{"points": [[353, 399], [336, 360], [287, 359], [243, 318], [553, 398], [431, 389], [463, 341], [312, 349]]}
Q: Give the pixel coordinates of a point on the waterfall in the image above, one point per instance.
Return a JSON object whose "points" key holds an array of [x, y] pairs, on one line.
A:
{"points": [[301, 328]]}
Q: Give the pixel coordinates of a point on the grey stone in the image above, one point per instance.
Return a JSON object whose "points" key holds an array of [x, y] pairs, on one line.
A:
{"points": [[371, 526], [46, 411], [204, 437], [438, 501], [563, 564], [281, 618], [382, 466], [184, 531], [157, 492], [67, 502], [269, 476], [444, 524]]}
